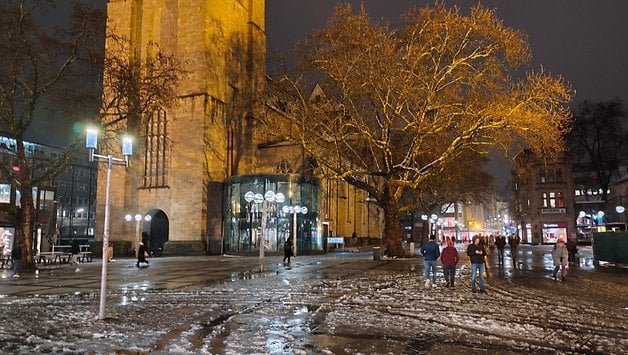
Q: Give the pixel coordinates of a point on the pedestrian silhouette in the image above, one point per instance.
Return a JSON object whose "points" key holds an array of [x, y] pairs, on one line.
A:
{"points": [[143, 250], [287, 250]]}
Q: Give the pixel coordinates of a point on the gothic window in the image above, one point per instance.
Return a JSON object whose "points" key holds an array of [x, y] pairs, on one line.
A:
{"points": [[156, 161], [217, 110]]}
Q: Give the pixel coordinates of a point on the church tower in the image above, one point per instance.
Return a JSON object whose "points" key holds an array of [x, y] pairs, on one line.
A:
{"points": [[185, 153]]}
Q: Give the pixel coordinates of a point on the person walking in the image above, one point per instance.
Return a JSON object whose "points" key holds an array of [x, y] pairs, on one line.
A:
{"points": [[430, 252], [500, 243], [75, 250], [143, 250], [287, 250], [572, 249], [513, 241], [16, 256], [560, 256], [449, 258], [476, 253]]}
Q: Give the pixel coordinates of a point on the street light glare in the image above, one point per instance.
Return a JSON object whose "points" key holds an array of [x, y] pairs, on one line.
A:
{"points": [[127, 145], [91, 138]]}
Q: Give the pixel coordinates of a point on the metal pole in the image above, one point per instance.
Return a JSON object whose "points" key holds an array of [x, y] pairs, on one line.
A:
{"points": [[105, 244], [294, 239], [262, 238], [137, 238]]}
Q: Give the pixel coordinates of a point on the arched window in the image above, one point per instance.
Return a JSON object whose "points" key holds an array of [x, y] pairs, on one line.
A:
{"points": [[156, 161]]}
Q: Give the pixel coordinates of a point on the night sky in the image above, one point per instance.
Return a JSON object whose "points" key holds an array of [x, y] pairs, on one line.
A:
{"points": [[585, 41]]}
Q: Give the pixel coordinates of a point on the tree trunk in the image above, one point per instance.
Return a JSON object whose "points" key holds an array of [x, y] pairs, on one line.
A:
{"points": [[392, 227], [25, 224], [26, 212]]}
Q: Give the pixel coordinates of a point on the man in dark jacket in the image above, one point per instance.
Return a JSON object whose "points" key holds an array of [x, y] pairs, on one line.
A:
{"points": [[16, 255], [572, 248], [476, 253], [430, 252], [500, 243], [513, 241]]}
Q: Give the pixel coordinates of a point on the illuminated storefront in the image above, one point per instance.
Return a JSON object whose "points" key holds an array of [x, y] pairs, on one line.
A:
{"points": [[554, 231], [244, 216]]}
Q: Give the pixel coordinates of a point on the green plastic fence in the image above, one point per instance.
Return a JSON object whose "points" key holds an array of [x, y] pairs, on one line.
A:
{"points": [[611, 247]]}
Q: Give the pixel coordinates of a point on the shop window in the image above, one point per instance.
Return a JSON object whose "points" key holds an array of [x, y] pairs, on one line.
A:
{"points": [[5, 193], [553, 200]]}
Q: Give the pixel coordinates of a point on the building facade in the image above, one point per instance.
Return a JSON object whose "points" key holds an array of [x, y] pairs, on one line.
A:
{"points": [[543, 203], [188, 171], [64, 206], [185, 153]]}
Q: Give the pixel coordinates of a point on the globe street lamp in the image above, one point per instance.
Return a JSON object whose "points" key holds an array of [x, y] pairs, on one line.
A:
{"points": [[91, 143], [294, 210], [265, 201], [138, 218]]}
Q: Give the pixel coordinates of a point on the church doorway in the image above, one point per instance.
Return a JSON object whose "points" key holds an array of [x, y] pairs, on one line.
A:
{"points": [[158, 232]]}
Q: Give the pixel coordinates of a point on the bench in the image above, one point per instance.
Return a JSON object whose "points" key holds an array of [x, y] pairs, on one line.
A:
{"points": [[52, 257], [85, 254]]}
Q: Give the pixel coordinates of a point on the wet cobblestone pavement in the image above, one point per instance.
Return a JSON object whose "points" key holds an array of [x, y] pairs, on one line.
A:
{"points": [[338, 303]]}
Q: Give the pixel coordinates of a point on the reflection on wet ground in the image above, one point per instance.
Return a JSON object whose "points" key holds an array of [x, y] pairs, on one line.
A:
{"points": [[335, 303]]}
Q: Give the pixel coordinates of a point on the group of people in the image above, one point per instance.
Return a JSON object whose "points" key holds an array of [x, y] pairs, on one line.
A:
{"points": [[500, 244], [563, 253], [449, 258]]}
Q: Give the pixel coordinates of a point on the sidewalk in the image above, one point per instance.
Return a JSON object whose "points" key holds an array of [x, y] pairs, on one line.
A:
{"points": [[339, 302], [190, 272]]}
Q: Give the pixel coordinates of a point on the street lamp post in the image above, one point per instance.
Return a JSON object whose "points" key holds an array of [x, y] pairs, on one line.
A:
{"points": [[91, 143], [265, 201], [138, 218], [294, 210]]}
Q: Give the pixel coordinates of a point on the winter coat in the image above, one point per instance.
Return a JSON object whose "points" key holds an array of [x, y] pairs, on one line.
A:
{"points": [[16, 253], [572, 246], [287, 247], [430, 251], [513, 241], [476, 258], [142, 251], [449, 256], [500, 242], [560, 255]]}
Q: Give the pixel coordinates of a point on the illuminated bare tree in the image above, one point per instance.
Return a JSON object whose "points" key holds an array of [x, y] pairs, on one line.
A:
{"points": [[36, 62], [402, 105]]}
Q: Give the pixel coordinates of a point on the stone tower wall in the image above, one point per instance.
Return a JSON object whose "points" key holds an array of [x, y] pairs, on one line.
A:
{"points": [[221, 44]]}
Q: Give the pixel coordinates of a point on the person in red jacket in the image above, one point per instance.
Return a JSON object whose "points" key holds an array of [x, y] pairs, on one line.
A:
{"points": [[449, 259]]}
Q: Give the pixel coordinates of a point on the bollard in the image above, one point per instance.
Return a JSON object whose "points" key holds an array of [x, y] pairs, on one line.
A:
{"points": [[377, 253]]}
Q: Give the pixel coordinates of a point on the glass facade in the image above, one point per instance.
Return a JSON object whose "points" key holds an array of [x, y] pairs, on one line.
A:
{"points": [[243, 219]]}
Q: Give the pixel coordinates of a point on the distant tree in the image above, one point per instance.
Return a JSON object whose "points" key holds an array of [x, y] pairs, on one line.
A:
{"points": [[403, 105], [43, 74], [598, 140], [36, 61]]}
